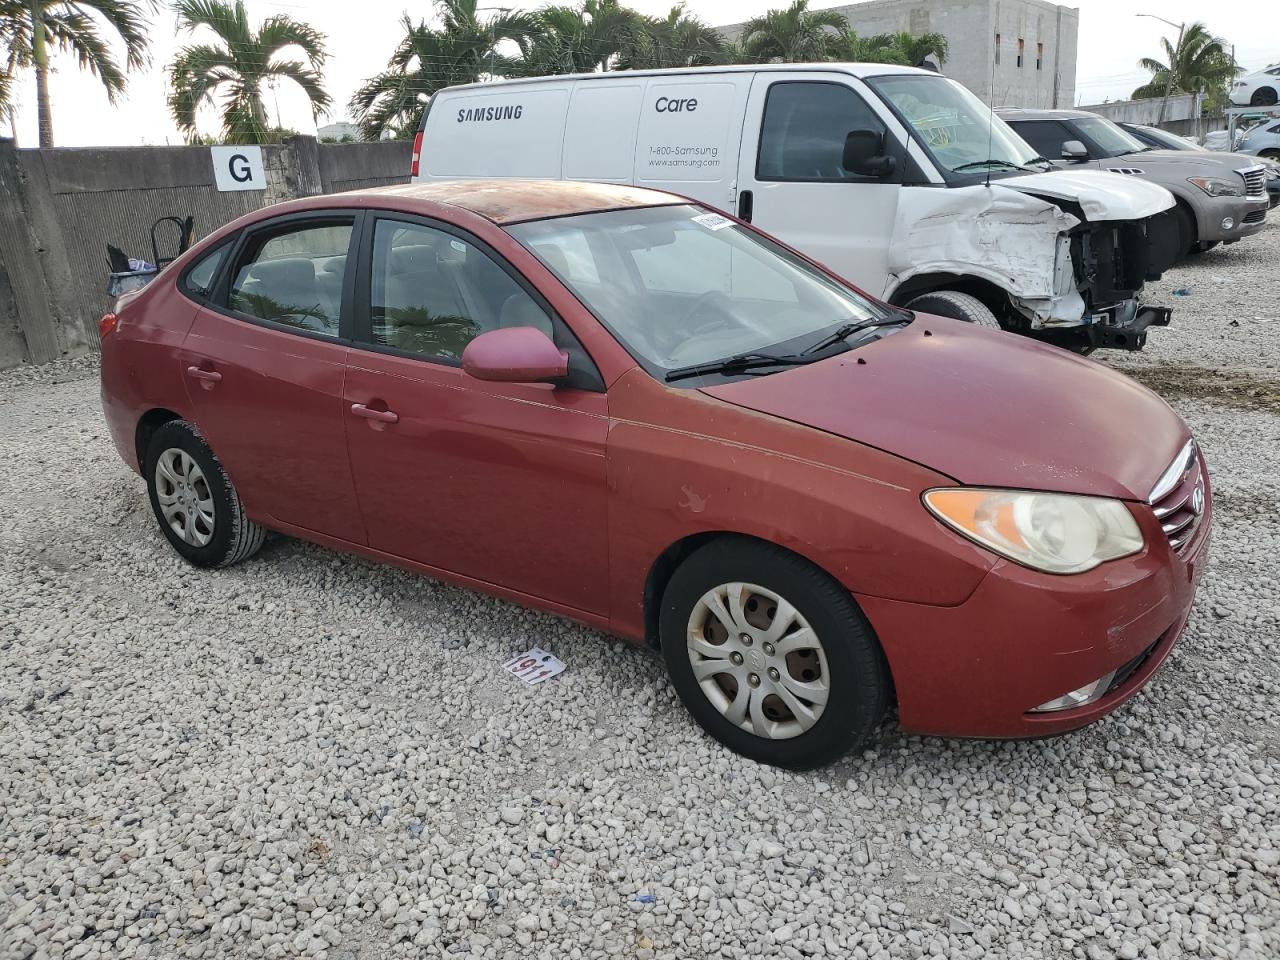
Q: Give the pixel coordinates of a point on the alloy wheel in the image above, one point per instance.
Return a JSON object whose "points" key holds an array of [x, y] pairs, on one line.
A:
{"points": [[186, 502], [758, 661]]}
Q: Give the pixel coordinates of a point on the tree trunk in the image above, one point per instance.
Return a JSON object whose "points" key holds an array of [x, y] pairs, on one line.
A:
{"points": [[40, 56]]}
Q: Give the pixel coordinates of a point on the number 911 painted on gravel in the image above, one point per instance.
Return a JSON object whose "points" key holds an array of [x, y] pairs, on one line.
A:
{"points": [[627, 409]]}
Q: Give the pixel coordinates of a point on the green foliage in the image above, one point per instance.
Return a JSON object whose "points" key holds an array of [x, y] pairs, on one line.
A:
{"points": [[236, 67], [598, 35], [29, 29], [1200, 63]]}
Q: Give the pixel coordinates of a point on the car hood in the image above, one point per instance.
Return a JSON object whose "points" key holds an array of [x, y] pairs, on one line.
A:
{"points": [[1101, 195], [983, 407], [1188, 159]]}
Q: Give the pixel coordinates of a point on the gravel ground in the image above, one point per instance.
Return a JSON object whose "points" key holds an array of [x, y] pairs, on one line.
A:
{"points": [[311, 755]]}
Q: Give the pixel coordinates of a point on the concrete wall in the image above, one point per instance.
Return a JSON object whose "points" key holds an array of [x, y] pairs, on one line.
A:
{"points": [[970, 27], [1181, 106], [60, 208]]}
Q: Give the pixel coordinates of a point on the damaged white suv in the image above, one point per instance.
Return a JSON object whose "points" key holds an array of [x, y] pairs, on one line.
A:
{"points": [[897, 178]]}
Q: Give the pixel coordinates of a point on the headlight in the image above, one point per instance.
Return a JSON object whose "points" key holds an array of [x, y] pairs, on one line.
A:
{"points": [[1216, 187], [1051, 532]]}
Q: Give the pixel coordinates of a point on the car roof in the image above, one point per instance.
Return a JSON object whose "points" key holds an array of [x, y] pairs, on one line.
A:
{"points": [[513, 201], [1030, 113], [855, 69]]}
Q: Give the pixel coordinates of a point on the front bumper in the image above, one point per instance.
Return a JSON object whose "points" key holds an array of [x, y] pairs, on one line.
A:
{"points": [[1126, 329], [1024, 638], [1247, 215]]}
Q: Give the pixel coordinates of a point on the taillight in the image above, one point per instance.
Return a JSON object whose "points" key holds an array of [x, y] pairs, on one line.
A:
{"points": [[107, 324], [417, 154]]}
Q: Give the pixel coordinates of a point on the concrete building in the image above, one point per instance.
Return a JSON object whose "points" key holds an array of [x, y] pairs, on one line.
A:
{"points": [[1009, 52]]}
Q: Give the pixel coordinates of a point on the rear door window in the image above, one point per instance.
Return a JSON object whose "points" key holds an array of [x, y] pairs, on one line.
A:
{"points": [[294, 277]]}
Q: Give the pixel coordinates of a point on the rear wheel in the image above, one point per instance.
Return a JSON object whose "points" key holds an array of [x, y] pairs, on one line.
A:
{"points": [[771, 656], [197, 508], [957, 306], [1266, 97]]}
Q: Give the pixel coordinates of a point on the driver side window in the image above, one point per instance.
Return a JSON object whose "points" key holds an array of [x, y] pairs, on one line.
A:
{"points": [[803, 133]]}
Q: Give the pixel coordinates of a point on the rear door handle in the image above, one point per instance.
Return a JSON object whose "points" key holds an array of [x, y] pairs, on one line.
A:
{"points": [[382, 416], [207, 378]]}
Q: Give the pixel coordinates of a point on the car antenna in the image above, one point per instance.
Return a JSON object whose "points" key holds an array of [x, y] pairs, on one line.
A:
{"points": [[991, 117]]}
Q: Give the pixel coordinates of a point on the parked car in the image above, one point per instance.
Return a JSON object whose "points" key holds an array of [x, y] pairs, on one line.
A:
{"points": [[1257, 89], [1220, 198], [1159, 139], [1261, 140], [621, 406], [868, 168]]}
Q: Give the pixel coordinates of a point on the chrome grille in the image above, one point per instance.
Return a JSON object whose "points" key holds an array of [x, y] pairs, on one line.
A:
{"points": [[1178, 498], [1255, 181]]}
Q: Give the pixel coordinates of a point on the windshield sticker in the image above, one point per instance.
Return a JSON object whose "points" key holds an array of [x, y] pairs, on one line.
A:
{"points": [[713, 221]]}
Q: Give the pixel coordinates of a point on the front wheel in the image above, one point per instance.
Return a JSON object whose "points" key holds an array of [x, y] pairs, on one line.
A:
{"points": [[957, 306], [772, 656]]}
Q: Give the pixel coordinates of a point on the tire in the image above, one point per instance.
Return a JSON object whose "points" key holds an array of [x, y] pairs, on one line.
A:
{"points": [[206, 522], [845, 660], [957, 306], [1266, 97], [1188, 235]]}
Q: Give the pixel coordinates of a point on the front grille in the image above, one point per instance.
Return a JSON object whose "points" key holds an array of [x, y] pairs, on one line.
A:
{"points": [[1255, 181], [1257, 216], [1178, 500]]}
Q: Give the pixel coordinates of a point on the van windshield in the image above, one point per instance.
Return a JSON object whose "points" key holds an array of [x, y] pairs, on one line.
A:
{"points": [[681, 285], [958, 129]]}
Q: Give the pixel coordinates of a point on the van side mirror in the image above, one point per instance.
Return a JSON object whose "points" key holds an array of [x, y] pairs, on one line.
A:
{"points": [[864, 154], [1075, 151]]}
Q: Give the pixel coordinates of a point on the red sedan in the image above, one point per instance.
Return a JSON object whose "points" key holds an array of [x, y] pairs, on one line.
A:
{"points": [[625, 408]]}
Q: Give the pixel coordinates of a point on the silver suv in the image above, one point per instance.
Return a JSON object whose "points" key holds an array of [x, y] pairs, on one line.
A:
{"points": [[1221, 199]]}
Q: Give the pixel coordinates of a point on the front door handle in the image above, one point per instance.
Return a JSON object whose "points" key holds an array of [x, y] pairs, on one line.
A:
{"points": [[381, 416], [207, 378], [745, 205]]}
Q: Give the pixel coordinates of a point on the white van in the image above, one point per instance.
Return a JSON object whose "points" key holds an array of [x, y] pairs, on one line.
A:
{"points": [[897, 178]]}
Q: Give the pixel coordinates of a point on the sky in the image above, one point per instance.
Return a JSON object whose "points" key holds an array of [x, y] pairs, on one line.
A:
{"points": [[361, 37]]}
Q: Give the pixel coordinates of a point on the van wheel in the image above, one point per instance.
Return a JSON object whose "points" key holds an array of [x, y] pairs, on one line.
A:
{"points": [[771, 656], [957, 306], [195, 504]]}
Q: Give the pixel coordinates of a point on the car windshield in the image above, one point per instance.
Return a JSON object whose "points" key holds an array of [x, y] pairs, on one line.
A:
{"points": [[681, 285], [1110, 139], [958, 129]]}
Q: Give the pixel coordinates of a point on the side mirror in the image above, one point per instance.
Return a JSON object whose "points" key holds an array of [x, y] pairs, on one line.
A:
{"points": [[1075, 151], [864, 154], [515, 355]]}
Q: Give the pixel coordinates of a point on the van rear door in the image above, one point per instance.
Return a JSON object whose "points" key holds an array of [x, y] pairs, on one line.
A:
{"points": [[690, 132], [791, 181]]}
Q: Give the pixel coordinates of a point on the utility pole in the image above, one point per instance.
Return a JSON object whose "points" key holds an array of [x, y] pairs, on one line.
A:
{"points": [[1168, 87]]}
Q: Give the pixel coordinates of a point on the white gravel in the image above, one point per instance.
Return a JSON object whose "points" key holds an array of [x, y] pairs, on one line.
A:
{"points": [[311, 755]]}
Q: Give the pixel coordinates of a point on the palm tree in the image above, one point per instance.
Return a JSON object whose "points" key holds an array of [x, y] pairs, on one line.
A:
{"points": [[239, 66], [915, 50], [846, 46], [794, 35], [1201, 63], [579, 39], [29, 28], [680, 39]]}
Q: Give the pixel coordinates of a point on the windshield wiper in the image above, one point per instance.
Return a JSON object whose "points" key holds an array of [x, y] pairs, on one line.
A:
{"points": [[987, 163], [736, 364], [849, 329]]}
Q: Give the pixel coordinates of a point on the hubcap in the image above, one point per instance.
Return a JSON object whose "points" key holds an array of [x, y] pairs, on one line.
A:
{"points": [[758, 661], [186, 502]]}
